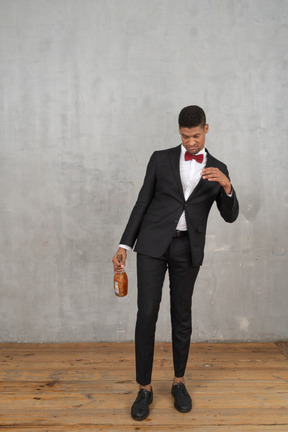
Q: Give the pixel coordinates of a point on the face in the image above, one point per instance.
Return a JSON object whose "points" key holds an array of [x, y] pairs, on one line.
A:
{"points": [[193, 139]]}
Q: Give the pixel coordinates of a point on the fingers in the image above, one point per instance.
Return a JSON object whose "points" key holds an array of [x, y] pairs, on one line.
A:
{"points": [[119, 260], [214, 174], [118, 266], [206, 172]]}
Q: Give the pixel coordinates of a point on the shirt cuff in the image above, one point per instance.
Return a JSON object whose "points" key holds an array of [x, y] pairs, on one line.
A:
{"points": [[125, 247], [230, 195]]}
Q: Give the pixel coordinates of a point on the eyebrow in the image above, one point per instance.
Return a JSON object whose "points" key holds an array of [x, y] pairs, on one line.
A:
{"points": [[186, 136]]}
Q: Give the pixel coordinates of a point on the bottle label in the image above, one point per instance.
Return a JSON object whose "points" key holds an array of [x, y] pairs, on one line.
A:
{"points": [[116, 288]]}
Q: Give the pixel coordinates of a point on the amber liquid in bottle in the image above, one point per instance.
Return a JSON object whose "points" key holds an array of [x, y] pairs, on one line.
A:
{"points": [[120, 281]]}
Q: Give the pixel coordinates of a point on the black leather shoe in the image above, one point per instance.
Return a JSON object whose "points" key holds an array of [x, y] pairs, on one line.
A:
{"points": [[140, 408], [182, 399]]}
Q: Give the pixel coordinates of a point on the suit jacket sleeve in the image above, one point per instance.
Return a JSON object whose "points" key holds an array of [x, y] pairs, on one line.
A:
{"points": [[228, 206], [144, 198]]}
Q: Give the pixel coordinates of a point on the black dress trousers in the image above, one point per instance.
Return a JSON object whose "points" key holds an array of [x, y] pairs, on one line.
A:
{"points": [[150, 277]]}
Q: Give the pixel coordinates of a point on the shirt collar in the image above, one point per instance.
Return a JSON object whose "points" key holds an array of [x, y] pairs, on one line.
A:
{"points": [[183, 151]]}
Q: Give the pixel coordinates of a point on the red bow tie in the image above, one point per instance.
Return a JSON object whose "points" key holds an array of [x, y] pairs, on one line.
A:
{"points": [[198, 158]]}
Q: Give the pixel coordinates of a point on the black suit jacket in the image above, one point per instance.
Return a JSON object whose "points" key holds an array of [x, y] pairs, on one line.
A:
{"points": [[161, 202]]}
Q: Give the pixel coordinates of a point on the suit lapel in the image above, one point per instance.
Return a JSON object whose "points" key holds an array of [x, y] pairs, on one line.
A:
{"points": [[201, 181], [175, 166]]}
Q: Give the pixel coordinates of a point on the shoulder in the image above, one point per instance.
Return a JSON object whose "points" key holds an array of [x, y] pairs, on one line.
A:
{"points": [[166, 152], [212, 161]]}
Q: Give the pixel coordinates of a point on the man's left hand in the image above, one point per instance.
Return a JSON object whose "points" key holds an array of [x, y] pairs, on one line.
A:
{"points": [[214, 174]]}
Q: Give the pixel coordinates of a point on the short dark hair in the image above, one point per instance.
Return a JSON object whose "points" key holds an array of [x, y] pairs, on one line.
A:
{"points": [[192, 116]]}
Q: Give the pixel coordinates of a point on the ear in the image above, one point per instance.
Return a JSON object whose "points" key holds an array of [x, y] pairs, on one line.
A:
{"points": [[206, 128]]}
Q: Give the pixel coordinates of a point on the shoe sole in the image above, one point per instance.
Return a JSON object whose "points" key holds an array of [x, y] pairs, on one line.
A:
{"points": [[182, 410], [140, 419]]}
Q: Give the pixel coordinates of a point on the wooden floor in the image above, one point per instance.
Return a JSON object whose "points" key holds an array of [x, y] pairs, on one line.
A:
{"points": [[90, 387]]}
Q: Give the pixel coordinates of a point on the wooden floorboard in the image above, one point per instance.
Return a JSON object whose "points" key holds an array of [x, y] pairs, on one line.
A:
{"points": [[90, 387]]}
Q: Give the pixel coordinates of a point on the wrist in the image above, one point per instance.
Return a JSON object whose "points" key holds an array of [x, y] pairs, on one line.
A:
{"points": [[122, 250], [228, 188]]}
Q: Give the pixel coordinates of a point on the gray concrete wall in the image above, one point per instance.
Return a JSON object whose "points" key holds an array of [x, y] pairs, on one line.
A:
{"points": [[89, 88]]}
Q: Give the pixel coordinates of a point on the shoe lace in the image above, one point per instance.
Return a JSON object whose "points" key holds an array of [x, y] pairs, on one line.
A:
{"points": [[143, 397]]}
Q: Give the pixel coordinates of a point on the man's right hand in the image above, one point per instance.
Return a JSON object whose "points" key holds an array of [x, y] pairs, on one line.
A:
{"points": [[119, 266]]}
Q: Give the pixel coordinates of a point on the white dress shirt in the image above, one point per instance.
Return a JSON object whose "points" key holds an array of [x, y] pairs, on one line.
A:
{"points": [[190, 173]]}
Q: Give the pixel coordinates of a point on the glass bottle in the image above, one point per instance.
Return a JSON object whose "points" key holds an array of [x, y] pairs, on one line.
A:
{"points": [[120, 281]]}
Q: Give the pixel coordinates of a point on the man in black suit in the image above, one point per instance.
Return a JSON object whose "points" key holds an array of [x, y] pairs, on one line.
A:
{"points": [[169, 223]]}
